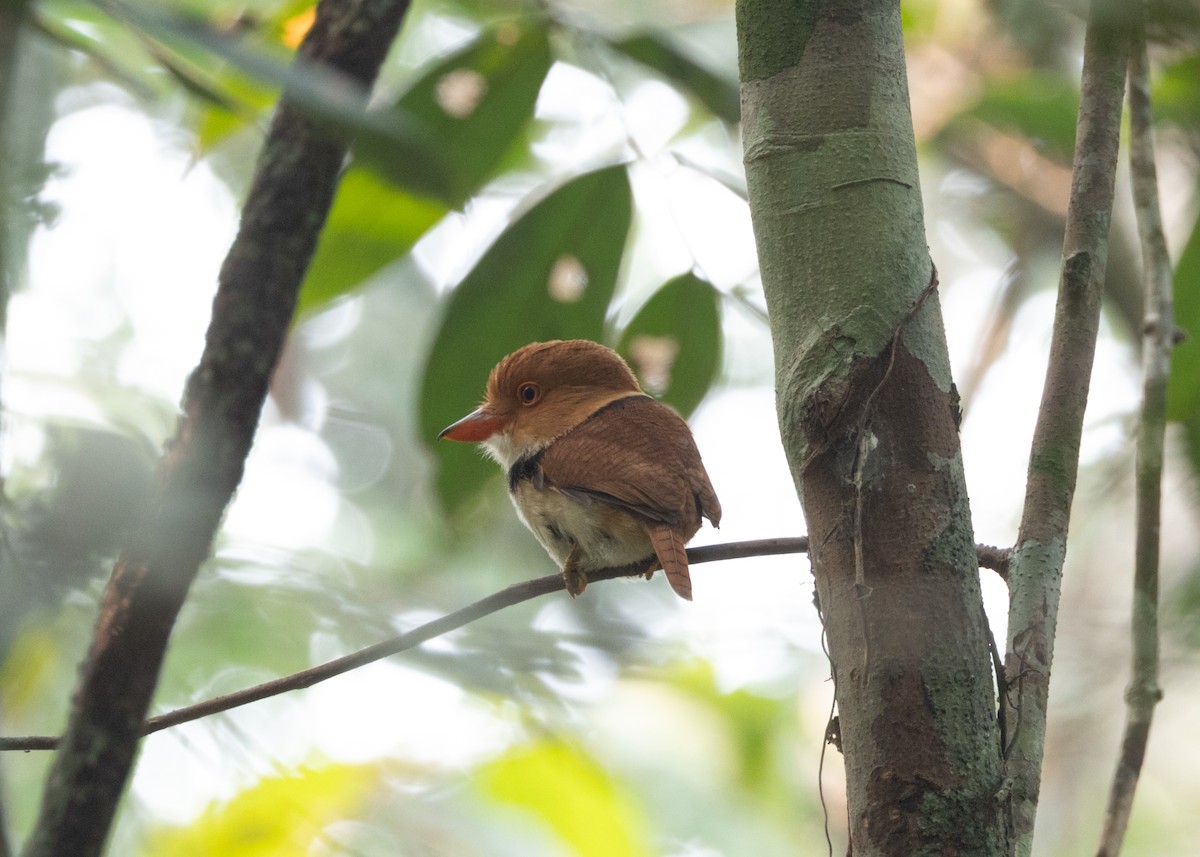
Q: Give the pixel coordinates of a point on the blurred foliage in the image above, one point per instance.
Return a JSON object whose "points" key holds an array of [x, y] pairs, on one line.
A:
{"points": [[673, 342], [573, 795], [476, 102], [1039, 106], [278, 815], [371, 225], [656, 50], [1183, 391], [477, 213], [1176, 93]]}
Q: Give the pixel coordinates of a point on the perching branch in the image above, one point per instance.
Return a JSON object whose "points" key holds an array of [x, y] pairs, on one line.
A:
{"points": [[509, 596], [1035, 574], [1157, 341], [293, 187]]}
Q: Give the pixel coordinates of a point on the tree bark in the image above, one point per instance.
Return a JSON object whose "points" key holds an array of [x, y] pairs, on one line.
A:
{"points": [[1036, 563], [1158, 340], [293, 188], [868, 416]]}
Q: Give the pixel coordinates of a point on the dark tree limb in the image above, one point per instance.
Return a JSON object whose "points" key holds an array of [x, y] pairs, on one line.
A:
{"points": [[293, 187], [1158, 339], [1035, 572], [517, 593]]}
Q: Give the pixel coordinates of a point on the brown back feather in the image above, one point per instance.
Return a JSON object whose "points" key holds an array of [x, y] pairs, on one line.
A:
{"points": [[639, 454]]}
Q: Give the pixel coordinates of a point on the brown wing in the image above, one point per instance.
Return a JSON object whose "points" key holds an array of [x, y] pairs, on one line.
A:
{"points": [[638, 454]]}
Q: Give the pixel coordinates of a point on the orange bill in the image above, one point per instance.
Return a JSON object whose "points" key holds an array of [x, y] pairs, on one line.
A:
{"points": [[474, 427]]}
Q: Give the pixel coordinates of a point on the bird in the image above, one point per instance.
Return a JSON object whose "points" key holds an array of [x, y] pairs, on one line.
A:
{"points": [[603, 474]]}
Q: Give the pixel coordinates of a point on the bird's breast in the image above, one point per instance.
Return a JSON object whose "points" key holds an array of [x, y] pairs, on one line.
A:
{"points": [[607, 536]]}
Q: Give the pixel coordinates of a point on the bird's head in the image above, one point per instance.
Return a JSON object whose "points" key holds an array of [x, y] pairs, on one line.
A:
{"points": [[539, 393]]}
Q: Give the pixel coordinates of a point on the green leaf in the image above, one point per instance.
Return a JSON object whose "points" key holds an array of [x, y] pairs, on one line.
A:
{"points": [[371, 224], [94, 42], [674, 342], [191, 79], [920, 19], [33, 656], [1176, 93], [1183, 388], [753, 723], [88, 31], [321, 92], [1039, 105], [656, 50], [573, 795], [252, 105], [550, 275], [474, 103]]}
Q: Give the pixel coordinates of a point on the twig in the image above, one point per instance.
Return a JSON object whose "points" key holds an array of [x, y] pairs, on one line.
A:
{"points": [[1157, 341], [994, 558], [1035, 573], [515, 594], [832, 736], [1001, 685]]}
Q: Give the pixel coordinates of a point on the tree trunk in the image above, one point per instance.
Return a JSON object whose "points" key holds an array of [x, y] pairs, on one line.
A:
{"points": [[868, 416]]}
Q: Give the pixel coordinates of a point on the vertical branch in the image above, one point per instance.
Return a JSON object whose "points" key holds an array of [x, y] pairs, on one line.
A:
{"points": [[866, 411], [1035, 574], [293, 187], [1157, 341]]}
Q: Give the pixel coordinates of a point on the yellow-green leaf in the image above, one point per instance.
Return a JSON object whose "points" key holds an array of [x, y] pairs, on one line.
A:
{"points": [[371, 225], [573, 795], [33, 656], [277, 817]]}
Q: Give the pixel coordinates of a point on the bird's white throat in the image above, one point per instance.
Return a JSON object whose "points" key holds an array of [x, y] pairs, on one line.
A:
{"points": [[502, 449]]}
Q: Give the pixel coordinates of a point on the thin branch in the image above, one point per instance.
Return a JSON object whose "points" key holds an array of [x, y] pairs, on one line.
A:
{"points": [[1035, 574], [1157, 342], [518, 593], [994, 558], [294, 182]]}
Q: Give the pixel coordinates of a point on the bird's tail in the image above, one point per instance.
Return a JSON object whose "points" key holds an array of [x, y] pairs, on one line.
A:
{"points": [[672, 556]]}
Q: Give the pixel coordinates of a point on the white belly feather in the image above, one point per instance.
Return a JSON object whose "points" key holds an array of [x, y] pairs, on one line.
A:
{"points": [[608, 537]]}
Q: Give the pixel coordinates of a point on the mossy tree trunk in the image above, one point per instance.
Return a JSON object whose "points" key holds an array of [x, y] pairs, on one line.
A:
{"points": [[869, 419]]}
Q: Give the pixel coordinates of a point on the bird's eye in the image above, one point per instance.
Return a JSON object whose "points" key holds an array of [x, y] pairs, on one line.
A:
{"points": [[528, 393]]}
